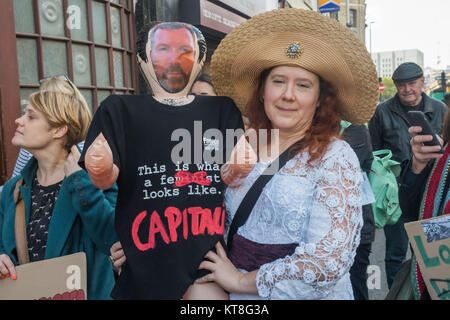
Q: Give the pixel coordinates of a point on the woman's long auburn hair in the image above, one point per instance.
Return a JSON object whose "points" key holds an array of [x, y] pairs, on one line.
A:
{"points": [[325, 124]]}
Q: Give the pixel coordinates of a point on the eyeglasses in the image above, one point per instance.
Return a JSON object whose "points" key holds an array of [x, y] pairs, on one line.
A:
{"points": [[59, 77]]}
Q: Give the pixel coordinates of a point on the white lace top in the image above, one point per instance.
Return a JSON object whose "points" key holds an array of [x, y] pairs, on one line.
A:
{"points": [[320, 209]]}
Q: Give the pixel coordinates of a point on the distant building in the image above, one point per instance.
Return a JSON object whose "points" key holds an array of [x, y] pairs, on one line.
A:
{"points": [[356, 19], [300, 4], [386, 62], [356, 13]]}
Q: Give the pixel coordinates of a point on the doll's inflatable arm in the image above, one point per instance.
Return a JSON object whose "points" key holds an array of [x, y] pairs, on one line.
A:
{"points": [[99, 163], [241, 162]]}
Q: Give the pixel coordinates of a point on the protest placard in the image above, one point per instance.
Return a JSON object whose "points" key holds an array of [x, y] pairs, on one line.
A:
{"points": [[62, 278], [430, 240]]}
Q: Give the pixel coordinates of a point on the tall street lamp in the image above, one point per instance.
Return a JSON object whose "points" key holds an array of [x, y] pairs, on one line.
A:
{"points": [[370, 37]]}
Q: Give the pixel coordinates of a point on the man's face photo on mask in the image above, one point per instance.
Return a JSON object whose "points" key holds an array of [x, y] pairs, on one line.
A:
{"points": [[172, 55]]}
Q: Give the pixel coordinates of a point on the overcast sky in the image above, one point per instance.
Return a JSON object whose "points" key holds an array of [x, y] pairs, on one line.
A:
{"points": [[411, 24]]}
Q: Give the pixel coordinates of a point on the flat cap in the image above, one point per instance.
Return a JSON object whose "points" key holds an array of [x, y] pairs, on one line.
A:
{"points": [[407, 71]]}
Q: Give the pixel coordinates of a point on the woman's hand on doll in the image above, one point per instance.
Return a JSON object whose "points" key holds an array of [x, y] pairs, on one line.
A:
{"points": [[225, 274], [117, 256]]}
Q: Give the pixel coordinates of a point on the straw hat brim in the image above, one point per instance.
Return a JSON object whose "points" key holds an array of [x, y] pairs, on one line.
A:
{"points": [[328, 49]]}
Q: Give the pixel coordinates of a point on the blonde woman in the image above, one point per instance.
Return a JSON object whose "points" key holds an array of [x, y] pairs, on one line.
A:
{"points": [[65, 212], [60, 86]]}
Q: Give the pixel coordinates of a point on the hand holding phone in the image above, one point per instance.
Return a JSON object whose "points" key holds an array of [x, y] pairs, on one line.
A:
{"points": [[417, 118]]}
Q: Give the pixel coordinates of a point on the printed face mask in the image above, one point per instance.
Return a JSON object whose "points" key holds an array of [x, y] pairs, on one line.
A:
{"points": [[172, 55], [172, 51]]}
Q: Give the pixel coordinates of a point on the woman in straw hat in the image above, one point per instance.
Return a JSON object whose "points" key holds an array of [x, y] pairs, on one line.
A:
{"points": [[299, 73], [65, 213]]}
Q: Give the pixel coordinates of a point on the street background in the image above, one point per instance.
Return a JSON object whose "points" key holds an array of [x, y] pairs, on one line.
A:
{"points": [[377, 259]]}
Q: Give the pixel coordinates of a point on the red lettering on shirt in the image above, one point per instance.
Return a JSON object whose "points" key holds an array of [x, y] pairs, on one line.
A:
{"points": [[196, 220], [219, 219], [174, 218], [156, 226], [134, 232], [195, 213], [185, 178], [185, 224]]}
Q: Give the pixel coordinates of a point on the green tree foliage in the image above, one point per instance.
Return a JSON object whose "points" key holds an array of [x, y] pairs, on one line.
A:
{"points": [[389, 89]]}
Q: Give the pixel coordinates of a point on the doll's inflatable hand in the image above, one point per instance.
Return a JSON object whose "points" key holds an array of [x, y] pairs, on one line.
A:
{"points": [[242, 161], [99, 163]]}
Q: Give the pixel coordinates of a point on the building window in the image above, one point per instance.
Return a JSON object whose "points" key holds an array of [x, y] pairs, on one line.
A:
{"points": [[90, 41], [352, 19], [334, 15]]}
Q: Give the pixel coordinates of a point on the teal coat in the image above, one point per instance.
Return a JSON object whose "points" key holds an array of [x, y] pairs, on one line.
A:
{"points": [[82, 221]]}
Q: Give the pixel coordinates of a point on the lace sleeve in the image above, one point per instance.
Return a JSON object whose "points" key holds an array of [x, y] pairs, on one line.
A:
{"points": [[333, 232]]}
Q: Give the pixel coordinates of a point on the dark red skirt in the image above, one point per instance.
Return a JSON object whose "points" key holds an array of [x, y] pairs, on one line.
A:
{"points": [[249, 255]]}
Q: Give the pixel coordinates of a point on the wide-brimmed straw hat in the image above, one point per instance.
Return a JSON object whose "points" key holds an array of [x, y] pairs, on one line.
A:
{"points": [[301, 38]]}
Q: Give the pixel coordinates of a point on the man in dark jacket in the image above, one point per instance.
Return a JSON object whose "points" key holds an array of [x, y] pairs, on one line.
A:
{"points": [[389, 130]]}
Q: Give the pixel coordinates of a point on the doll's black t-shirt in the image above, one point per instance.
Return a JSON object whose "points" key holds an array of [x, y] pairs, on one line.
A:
{"points": [[169, 210]]}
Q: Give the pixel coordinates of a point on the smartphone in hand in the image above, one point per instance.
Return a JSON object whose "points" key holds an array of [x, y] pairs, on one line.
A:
{"points": [[417, 118]]}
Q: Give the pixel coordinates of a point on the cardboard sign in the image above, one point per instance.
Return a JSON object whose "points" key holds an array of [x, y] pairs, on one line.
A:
{"points": [[62, 278], [430, 240]]}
